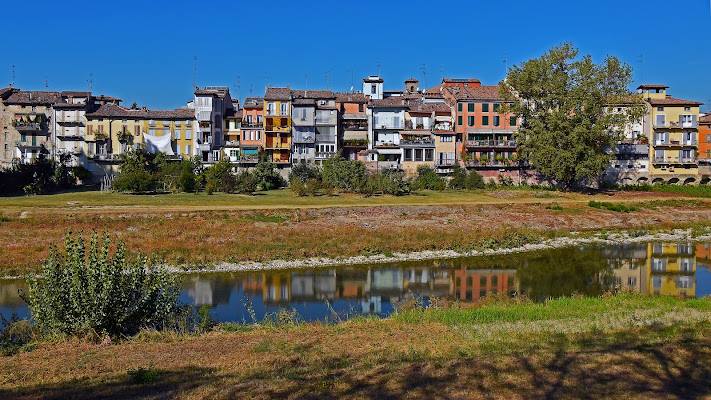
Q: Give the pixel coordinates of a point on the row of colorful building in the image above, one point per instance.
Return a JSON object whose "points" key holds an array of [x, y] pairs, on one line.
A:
{"points": [[459, 121]]}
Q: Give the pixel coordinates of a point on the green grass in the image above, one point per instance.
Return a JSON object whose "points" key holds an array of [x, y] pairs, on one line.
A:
{"points": [[619, 207], [696, 191]]}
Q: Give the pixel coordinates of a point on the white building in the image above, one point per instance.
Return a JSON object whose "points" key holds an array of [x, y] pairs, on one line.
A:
{"points": [[211, 105]]}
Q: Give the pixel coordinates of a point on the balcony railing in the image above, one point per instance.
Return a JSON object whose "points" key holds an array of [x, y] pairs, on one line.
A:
{"points": [[277, 146], [389, 125], [674, 160], [410, 125], [495, 163], [28, 127], [416, 142], [24, 143], [491, 143], [355, 127], [449, 162], [232, 143], [277, 128], [676, 124], [442, 127], [249, 159], [252, 125], [304, 139], [355, 143], [387, 145], [325, 154]]}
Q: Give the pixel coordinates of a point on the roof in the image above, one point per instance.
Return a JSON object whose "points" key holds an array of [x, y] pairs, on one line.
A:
{"points": [[354, 116], [670, 101], [234, 114], [69, 105], [113, 110], [706, 119], [33, 97], [302, 102], [418, 106], [275, 93], [394, 101], [652, 87], [373, 78], [458, 80], [75, 94], [6, 90], [411, 80], [212, 91], [101, 97], [476, 93], [253, 102], [435, 92], [313, 94], [351, 98]]}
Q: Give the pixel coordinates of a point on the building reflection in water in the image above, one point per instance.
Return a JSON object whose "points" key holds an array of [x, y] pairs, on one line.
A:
{"points": [[654, 268]]}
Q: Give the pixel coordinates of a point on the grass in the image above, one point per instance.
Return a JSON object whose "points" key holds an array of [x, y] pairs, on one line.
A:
{"points": [[695, 191], [615, 346], [619, 207]]}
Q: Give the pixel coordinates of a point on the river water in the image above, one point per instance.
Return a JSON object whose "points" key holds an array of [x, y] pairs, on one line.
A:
{"points": [[678, 269]]}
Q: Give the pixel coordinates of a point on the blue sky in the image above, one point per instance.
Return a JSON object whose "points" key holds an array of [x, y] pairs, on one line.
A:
{"points": [[145, 54]]}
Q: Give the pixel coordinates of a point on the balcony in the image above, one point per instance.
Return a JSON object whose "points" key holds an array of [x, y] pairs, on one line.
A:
{"points": [[325, 155], [358, 143], [442, 127], [73, 134], [354, 127], [304, 139], [676, 124], [271, 145], [232, 143], [28, 144], [28, 127], [410, 126], [674, 160], [106, 157], [329, 119], [424, 142], [491, 143], [445, 162], [386, 145], [249, 159], [252, 125], [388, 165], [392, 126], [277, 128]]}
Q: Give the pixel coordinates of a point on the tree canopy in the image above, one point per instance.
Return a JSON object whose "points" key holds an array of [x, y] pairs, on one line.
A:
{"points": [[564, 103]]}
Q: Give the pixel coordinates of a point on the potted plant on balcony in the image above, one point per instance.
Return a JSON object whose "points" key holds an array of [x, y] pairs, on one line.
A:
{"points": [[499, 158], [98, 135], [124, 137], [484, 159]]}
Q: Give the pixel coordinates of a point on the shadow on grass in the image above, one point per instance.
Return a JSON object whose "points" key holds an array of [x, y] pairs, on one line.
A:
{"points": [[591, 366]]}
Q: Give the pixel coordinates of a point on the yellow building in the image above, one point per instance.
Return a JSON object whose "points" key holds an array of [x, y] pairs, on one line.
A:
{"points": [[113, 130], [671, 269], [277, 125], [233, 134], [672, 126]]}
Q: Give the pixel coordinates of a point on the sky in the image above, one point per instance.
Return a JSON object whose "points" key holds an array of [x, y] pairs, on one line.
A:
{"points": [[144, 51]]}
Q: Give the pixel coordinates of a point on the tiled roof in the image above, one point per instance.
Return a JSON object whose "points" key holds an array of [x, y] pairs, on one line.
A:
{"points": [[394, 101], [75, 94], [33, 97], [418, 106], [411, 80], [435, 92], [652, 87], [706, 119], [253, 102], [313, 94], [351, 98], [476, 93], [101, 97], [458, 80], [274, 93], [216, 92], [234, 114], [112, 110], [5, 91], [68, 105], [302, 102], [670, 101]]}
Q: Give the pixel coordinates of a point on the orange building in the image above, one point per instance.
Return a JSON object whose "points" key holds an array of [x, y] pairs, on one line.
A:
{"points": [[473, 284], [352, 124], [252, 140]]}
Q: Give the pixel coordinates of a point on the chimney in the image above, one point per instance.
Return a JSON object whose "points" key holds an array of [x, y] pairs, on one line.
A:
{"points": [[668, 96], [144, 108]]}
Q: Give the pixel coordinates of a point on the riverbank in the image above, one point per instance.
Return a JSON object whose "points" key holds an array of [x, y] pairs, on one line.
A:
{"points": [[296, 237], [623, 345]]}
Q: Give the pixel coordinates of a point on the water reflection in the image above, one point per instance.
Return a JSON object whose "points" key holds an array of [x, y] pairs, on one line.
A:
{"points": [[654, 268]]}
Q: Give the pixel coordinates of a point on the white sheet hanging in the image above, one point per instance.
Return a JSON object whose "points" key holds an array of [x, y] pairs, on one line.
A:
{"points": [[155, 144]]}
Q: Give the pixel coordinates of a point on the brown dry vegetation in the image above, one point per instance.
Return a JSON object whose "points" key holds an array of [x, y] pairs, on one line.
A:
{"points": [[208, 236], [373, 359]]}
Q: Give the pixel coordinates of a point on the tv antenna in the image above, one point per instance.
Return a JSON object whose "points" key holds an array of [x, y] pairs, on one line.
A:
{"points": [[640, 60], [239, 89], [90, 82], [195, 72], [266, 81], [352, 87], [506, 63], [328, 80], [46, 83], [13, 74], [379, 67], [306, 76], [424, 75], [442, 70]]}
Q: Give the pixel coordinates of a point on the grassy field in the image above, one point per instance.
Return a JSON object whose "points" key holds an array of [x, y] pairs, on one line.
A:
{"points": [[278, 225], [617, 346]]}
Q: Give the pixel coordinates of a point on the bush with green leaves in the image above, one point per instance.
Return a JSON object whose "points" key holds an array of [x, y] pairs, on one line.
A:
{"points": [[96, 291], [303, 172], [393, 182], [267, 176], [345, 175], [140, 172], [457, 178], [474, 181], [427, 178]]}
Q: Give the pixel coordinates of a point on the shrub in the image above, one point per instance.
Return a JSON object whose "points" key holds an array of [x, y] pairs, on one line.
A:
{"points": [[303, 172], [210, 186], [457, 179], [427, 178], [312, 187], [392, 182], [267, 176], [345, 175], [187, 177], [474, 181], [298, 187], [245, 183], [90, 290]]}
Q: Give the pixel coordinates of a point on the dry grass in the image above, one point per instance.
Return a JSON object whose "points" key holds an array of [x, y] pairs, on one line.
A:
{"points": [[386, 359], [206, 237]]}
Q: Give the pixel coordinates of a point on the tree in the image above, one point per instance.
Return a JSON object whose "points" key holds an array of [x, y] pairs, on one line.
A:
{"points": [[267, 176], [139, 172], [345, 175], [564, 103], [427, 178], [85, 290]]}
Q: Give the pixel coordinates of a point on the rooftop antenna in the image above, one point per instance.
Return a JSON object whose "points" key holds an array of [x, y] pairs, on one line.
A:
{"points": [[442, 70], [13, 74], [90, 82], [352, 84], [424, 75], [46, 83], [239, 89], [194, 71], [506, 63], [641, 64], [328, 80], [379, 65], [250, 90], [307, 83], [266, 81]]}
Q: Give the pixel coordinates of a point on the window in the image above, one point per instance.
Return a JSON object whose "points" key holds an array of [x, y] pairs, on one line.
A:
{"points": [[470, 107], [459, 107], [661, 120], [187, 149], [470, 120], [271, 108], [429, 154], [485, 107], [512, 121], [485, 121], [660, 108], [418, 155], [408, 154], [188, 133], [496, 107], [360, 108], [459, 120], [687, 108], [177, 134], [708, 138], [373, 89], [137, 130], [446, 138], [496, 120]]}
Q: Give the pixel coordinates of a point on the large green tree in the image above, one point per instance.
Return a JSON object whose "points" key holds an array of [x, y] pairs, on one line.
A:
{"points": [[564, 103]]}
